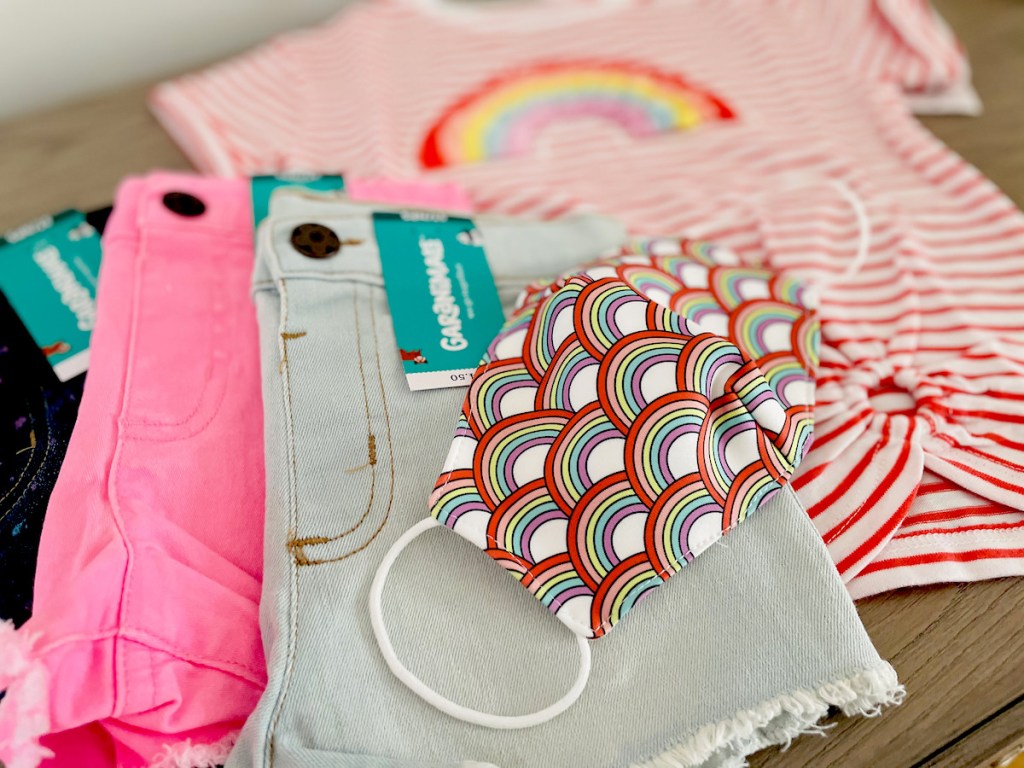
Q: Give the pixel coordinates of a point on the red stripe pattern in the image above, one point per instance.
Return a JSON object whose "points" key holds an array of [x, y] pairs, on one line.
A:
{"points": [[917, 468]]}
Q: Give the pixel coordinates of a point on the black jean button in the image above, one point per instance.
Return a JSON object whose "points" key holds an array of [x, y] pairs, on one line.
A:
{"points": [[184, 204], [315, 241]]}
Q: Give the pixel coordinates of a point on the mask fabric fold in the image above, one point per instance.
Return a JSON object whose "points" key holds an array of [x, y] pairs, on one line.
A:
{"points": [[671, 395]]}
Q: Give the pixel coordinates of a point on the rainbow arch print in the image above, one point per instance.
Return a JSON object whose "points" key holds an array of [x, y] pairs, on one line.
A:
{"points": [[505, 115]]}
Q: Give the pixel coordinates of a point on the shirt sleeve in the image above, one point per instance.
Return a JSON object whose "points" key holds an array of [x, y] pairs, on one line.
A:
{"points": [[252, 114], [901, 42]]}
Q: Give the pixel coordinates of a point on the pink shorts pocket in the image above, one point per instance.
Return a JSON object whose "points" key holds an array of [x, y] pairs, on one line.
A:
{"points": [[182, 319]]}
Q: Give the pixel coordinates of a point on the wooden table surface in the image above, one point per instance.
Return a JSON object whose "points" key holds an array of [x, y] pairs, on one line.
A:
{"points": [[959, 649]]}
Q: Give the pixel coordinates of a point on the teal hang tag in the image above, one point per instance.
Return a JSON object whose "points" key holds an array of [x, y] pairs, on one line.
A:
{"points": [[444, 304], [263, 187], [49, 271]]}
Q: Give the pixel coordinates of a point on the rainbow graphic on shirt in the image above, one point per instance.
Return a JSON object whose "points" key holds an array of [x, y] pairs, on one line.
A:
{"points": [[505, 116]]}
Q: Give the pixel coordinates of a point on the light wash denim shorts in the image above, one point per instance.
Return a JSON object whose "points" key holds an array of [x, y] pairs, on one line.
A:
{"points": [[748, 646]]}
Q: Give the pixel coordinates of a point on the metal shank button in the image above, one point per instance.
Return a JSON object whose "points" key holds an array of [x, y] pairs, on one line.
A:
{"points": [[315, 241]]}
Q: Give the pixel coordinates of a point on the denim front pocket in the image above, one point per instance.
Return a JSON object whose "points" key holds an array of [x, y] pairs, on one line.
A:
{"points": [[182, 314]]}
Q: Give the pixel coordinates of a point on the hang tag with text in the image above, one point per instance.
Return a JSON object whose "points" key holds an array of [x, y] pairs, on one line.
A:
{"points": [[49, 271], [444, 304]]}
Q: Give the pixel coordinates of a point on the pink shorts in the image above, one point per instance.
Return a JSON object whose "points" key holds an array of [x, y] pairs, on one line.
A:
{"points": [[144, 646]]}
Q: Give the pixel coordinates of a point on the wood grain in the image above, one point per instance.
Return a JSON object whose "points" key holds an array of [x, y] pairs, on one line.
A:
{"points": [[75, 156], [993, 32], [999, 739], [959, 649]]}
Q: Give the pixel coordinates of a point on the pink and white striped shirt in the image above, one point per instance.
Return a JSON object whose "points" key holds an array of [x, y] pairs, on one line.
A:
{"points": [[726, 120]]}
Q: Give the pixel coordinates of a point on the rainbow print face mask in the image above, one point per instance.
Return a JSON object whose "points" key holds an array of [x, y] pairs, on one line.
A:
{"points": [[625, 418]]}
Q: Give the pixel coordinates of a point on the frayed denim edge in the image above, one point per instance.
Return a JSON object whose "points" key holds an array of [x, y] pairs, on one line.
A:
{"points": [[185, 754], [780, 720]]}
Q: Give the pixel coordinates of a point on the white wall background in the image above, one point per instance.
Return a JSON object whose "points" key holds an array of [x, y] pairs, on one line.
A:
{"points": [[59, 50]]}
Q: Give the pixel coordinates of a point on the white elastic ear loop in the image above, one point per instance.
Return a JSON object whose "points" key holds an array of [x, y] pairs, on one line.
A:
{"points": [[432, 697], [863, 241]]}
